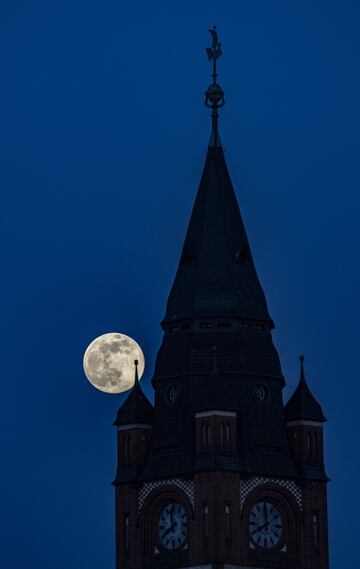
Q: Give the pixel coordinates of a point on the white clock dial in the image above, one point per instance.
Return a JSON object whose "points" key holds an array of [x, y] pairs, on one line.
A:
{"points": [[265, 524], [173, 526]]}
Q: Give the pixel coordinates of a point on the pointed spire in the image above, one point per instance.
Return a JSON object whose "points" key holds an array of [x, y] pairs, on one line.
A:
{"points": [[214, 95], [302, 405], [216, 277], [136, 408]]}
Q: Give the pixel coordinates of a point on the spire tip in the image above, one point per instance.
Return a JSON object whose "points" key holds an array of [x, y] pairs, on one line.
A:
{"points": [[136, 363], [214, 96]]}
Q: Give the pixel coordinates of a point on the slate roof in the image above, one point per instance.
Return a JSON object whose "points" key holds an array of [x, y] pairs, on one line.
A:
{"points": [[214, 393], [136, 408], [216, 276], [302, 405]]}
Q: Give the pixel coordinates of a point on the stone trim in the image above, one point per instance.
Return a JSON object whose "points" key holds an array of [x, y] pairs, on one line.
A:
{"points": [[134, 426], [215, 412], [187, 486], [247, 486], [304, 422]]}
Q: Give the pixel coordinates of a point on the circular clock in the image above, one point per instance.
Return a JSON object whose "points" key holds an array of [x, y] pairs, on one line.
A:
{"points": [[173, 526], [265, 524], [172, 393], [261, 392]]}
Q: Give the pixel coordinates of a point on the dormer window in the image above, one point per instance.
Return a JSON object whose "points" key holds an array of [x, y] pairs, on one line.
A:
{"points": [[216, 430], [205, 435]]}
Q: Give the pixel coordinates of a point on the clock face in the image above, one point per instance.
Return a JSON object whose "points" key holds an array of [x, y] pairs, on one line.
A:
{"points": [[173, 526], [265, 525]]}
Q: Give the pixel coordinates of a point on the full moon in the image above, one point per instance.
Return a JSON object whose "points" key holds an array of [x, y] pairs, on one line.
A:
{"points": [[109, 362]]}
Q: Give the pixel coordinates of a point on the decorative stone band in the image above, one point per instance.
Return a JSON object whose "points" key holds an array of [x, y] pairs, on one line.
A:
{"points": [[305, 423], [247, 486], [131, 426], [226, 566], [187, 486], [215, 412]]}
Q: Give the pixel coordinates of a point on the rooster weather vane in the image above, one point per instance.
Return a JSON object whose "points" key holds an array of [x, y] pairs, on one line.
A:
{"points": [[214, 96]]}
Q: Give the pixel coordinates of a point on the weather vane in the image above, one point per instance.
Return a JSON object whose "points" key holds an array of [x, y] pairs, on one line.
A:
{"points": [[214, 96], [214, 51]]}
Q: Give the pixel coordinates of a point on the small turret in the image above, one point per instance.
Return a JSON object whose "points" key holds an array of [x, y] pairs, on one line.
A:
{"points": [[304, 419], [134, 425]]}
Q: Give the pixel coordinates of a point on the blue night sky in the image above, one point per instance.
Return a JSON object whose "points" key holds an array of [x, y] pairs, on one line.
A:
{"points": [[102, 143]]}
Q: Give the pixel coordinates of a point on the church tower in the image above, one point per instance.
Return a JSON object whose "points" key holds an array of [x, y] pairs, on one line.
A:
{"points": [[219, 473]]}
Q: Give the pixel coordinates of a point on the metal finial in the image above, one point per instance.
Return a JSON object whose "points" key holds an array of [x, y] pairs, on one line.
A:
{"points": [[214, 51], [136, 363], [214, 96]]}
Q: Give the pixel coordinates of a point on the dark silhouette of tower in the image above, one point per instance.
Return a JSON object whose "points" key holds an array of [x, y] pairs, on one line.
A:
{"points": [[219, 473]]}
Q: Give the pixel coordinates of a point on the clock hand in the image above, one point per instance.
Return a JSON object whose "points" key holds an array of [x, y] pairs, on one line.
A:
{"points": [[262, 527], [265, 514], [170, 529]]}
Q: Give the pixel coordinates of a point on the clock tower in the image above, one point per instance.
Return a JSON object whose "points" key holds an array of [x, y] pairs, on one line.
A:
{"points": [[219, 473]]}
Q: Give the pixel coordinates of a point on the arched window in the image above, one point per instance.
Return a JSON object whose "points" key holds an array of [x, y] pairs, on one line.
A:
{"points": [[206, 522], [315, 443], [222, 435], [126, 447], [123, 447], [208, 435], [227, 523], [126, 531], [309, 444], [227, 435], [203, 435], [316, 529]]}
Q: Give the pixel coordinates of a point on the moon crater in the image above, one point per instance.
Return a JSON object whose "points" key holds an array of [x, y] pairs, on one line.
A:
{"points": [[109, 362]]}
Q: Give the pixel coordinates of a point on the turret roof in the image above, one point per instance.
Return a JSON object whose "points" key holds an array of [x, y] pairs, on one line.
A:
{"points": [[302, 405], [136, 408]]}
